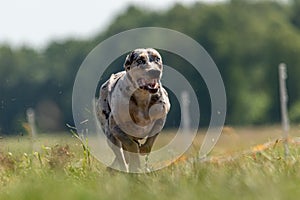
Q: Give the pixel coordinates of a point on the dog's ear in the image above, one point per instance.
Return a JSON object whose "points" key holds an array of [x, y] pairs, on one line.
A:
{"points": [[129, 60]]}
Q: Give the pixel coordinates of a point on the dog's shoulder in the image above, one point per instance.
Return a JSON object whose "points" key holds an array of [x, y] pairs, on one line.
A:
{"points": [[109, 85], [112, 81], [103, 103]]}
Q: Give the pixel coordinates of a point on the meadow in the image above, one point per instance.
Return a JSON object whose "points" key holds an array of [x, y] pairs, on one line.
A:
{"points": [[246, 163]]}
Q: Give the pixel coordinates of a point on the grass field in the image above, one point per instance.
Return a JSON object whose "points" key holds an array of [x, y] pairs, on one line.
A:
{"points": [[241, 166]]}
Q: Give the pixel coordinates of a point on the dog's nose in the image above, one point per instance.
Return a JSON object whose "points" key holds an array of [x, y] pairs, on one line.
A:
{"points": [[153, 73]]}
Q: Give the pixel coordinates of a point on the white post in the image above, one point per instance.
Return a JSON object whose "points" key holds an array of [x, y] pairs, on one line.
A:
{"points": [[31, 121], [33, 133], [283, 101], [185, 111]]}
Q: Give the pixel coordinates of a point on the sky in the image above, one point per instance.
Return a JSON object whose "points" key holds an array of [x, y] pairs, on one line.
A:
{"points": [[38, 22]]}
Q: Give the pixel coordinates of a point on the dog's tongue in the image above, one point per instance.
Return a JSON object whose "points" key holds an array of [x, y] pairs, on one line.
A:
{"points": [[151, 89], [150, 85]]}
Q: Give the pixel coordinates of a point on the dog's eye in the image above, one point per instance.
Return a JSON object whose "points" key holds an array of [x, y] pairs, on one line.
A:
{"points": [[140, 61], [156, 59]]}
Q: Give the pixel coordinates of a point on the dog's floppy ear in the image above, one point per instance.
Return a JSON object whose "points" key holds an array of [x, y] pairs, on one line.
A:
{"points": [[129, 60]]}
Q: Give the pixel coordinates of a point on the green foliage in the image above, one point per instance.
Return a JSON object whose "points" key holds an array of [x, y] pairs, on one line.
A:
{"points": [[246, 39], [295, 112]]}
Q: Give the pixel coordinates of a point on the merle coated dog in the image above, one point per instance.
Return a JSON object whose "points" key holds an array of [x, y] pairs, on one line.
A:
{"points": [[133, 106]]}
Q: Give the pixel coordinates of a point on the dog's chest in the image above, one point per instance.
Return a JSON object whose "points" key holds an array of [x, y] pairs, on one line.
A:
{"points": [[139, 111], [130, 117]]}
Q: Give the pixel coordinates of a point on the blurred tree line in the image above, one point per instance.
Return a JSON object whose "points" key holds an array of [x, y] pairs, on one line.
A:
{"points": [[246, 39]]}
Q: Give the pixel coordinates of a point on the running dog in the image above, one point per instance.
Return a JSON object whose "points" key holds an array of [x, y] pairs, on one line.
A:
{"points": [[133, 106]]}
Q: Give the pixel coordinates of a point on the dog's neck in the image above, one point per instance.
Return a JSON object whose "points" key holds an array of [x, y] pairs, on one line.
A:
{"points": [[129, 85]]}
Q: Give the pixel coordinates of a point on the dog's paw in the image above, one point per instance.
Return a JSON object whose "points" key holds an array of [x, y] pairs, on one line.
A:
{"points": [[157, 111], [111, 170], [145, 150]]}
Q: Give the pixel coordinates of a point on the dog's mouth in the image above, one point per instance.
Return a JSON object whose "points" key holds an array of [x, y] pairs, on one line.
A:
{"points": [[151, 85]]}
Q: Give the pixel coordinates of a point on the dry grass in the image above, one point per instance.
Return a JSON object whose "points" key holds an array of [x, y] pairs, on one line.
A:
{"points": [[247, 163]]}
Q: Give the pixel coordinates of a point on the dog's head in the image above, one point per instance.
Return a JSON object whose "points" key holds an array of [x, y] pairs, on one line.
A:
{"points": [[144, 67]]}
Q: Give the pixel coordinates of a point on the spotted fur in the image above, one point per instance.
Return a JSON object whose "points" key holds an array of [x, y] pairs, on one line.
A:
{"points": [[148, 107]]}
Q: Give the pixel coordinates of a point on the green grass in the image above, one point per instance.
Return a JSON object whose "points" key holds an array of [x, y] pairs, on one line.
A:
{"points": [[63, 170]]}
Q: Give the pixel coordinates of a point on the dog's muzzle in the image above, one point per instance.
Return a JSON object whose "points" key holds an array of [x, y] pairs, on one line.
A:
{"points": [[151, 85], [154, 73]]}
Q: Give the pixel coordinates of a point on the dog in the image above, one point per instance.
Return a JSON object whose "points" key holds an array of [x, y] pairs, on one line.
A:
{"points": [[132, 107]]}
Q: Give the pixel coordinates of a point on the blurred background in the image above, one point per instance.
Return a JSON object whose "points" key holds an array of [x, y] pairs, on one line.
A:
{"points": [[43, 43]]}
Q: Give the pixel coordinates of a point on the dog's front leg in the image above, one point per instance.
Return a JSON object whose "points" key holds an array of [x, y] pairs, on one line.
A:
{"points": [[115, 145], [130, 149], [147, 146], [131, 155]]}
